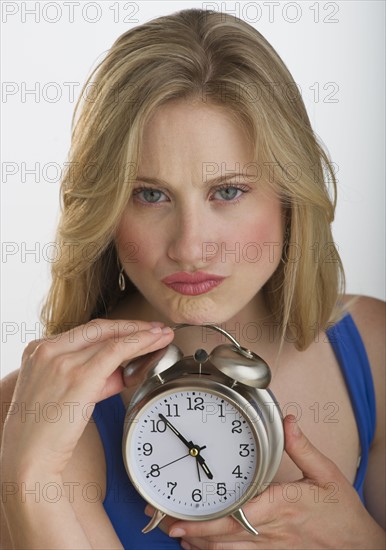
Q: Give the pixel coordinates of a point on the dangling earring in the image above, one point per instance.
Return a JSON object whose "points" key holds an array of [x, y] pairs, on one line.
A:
{"points": [[285, 244], [121, 280]]}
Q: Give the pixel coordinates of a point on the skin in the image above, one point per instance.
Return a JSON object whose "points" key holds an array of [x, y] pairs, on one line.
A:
{"points": [[192, 225], [169, 238]]}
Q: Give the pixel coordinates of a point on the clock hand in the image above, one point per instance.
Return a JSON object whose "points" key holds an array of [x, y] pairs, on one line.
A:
{"points": [[204, 466], [180, 458], [198, 471], [195, 450], [173, 461], [189, 444]]}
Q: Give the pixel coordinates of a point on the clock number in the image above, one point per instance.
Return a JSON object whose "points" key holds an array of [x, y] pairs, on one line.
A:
{"points": [[173, 485], [237, 472], [169, 408], [236, 427], [159, 426], [198, 404], [196, 495], [147, 449], [221, 489], [244, 449], [221, 415], [154, 470]]}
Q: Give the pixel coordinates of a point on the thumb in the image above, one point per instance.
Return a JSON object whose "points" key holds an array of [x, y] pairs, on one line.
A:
{"points": [[314, 464]]}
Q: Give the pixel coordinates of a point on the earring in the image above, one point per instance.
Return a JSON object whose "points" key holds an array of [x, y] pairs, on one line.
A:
{"points": [[121, 280]]}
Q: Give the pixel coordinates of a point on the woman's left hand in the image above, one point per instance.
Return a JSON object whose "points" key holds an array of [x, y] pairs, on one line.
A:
{"points": [[322, 510]]}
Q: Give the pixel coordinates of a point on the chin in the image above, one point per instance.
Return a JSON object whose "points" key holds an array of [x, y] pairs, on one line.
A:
{"points": [[201, 314], [193, 319], [195, 310]]}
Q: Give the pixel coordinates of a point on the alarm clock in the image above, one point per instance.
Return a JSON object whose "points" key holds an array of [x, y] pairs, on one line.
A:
{"points": [[203, 434]]}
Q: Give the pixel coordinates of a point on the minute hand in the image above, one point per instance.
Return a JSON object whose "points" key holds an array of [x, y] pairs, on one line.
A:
{"points": [[190, 446]]}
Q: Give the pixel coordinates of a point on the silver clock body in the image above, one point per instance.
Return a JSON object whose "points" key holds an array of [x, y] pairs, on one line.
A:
{"points": [[198, 444]]}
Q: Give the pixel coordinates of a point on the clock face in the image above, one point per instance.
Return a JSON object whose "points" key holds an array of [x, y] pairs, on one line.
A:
{"points": [[192, 453]]}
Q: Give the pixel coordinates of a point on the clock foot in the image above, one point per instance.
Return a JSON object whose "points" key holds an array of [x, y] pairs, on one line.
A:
{"points": [[240, 517], [158, 516]]}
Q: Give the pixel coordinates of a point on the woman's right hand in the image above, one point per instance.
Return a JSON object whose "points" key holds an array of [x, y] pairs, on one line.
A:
{"points": [[60, 380]]}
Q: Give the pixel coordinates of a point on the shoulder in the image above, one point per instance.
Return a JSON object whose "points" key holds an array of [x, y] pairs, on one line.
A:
{"points": [[366, 309], [7, 385], [369, 315], [7, 389]]}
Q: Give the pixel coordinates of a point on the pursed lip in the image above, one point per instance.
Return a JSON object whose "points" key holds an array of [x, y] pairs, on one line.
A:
{"points": [[192, 284], [192, 278]]}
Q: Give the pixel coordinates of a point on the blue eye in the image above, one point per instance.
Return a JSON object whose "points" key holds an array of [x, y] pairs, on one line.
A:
{"points": [[149, 195], [229, 193]]}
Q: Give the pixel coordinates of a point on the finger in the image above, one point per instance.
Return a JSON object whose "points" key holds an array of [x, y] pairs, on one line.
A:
{"points": [[94, 371], [114, 352], [88, 334], [60, 373], [314, 464], [220, 527], [177, 529], [259, 511], [224, 544], [200, 534]]}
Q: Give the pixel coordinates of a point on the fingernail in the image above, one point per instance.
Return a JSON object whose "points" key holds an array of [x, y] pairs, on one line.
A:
{"points": [[185, 545], [156, 330], [177, 532], [167, 330]]}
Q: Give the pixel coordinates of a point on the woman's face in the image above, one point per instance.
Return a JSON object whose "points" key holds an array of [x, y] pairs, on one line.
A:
{"points": [[199, 250]]}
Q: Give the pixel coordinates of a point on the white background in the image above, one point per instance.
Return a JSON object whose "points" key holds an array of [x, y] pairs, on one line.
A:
{"points": [[334, 50]]}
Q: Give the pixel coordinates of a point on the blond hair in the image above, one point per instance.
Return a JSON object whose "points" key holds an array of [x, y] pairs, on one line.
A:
{"points": [[194, 55]]}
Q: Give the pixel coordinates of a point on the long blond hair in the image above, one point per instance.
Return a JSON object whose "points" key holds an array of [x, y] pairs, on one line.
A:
{"points": [[220, 59]]}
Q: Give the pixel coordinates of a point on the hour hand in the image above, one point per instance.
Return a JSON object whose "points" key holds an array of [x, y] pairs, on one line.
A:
{"points": [[204, 466]]}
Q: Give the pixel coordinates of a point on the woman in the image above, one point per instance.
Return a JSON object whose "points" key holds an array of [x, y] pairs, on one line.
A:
{"points": [[196, 193]]}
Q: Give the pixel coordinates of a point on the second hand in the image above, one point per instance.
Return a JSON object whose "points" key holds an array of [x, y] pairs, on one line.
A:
{"points": [[191, 446], [172, 462]]}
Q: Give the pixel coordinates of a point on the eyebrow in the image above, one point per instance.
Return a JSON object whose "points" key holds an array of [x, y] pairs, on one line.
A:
{"points": [[212, 181]]}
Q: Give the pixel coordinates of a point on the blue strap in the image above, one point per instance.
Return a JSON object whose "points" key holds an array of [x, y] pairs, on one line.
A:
{"points": [[352, 357]]}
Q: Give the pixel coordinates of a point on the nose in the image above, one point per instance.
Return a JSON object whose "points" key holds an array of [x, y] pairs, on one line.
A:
{"points": [[190, 240]]}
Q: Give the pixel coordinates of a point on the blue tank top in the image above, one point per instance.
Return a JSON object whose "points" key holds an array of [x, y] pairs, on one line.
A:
{"points": [[125, 507]]}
